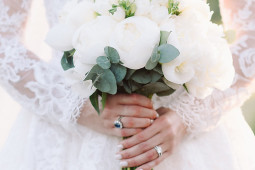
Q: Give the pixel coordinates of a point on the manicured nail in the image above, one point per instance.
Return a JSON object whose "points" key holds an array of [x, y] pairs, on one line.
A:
{"points": [[157, 115], [118, 156], [152, 121], [120, 147], [123, 164]]}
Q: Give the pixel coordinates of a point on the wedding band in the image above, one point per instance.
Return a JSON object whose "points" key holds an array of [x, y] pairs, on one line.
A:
{"points": [[118, 124], [158, 150]]}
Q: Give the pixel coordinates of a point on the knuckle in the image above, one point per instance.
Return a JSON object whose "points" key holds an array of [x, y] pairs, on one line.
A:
{"points": [[133, 163], [143, 146], [150, 155], [123, 133], [130, 122], [126, 155]]}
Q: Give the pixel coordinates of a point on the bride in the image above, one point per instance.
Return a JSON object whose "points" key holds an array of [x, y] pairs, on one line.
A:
{"points": [[59, 130]]}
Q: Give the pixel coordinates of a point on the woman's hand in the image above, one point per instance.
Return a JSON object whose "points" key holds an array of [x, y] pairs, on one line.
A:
{"points": [[137, 113], [166, 132]]}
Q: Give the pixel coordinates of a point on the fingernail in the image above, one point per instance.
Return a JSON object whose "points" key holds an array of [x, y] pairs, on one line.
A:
{"points": [[118, 156], [123, 164], [152, 121], [120, 147], [157, 115]]}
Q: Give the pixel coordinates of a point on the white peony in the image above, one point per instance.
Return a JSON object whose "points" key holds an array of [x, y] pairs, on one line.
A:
{"points": [[134, 38], [60, 37], [91, 39], [103, 6], [143, 8], [72, 16]]}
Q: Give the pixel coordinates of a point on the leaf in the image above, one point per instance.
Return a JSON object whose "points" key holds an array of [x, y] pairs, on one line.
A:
{"points": [[166, 93], [167, 53], [104, 98], [158, 69], [130, 72], [94, 101], [67, 60], [164, 37], [155, 76], [141, 76], [153, 61], [153, 88], [186, 88], [127, 88], [103, 62], [119, 72], [112, 54], [103, 79]]}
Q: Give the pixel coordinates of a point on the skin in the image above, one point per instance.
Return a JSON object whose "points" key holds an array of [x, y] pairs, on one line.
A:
{"points": [[137, 112], [167, 131]]}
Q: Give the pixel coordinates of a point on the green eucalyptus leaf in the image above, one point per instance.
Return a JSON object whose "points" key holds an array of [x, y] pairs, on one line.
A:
{"points": [[112, 54], [158, 69], [164, 35], [166, 93], [94, 101], [67, 60], [153, 61], [130, 72], [127, 87], [167, 53], [141, 76], [155, 76], [153, 88], [103, 62], [119, 72], [103, 79], [104, 98]]}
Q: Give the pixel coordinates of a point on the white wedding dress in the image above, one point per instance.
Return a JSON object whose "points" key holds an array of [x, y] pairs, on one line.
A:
{"points": [[47, 137]]}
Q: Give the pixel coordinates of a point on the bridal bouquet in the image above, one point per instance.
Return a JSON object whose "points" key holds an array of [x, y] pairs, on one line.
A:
{"points": [[141, 46]]}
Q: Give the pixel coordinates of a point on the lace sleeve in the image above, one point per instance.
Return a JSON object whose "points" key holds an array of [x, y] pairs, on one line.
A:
{"points": [[202, 115], [36, 85]]}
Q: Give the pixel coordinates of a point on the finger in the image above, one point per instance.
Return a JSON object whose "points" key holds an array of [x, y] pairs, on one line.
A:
{"points": [[143, 158], [143, 136], [136, 111], [134, 99], [141, 148], [126, 132], [130, 122], [154, 163]]}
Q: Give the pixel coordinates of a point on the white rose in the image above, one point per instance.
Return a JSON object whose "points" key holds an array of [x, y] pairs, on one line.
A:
{"points": [[91, 39], [60, 37], [134, 38], [75, 77]]}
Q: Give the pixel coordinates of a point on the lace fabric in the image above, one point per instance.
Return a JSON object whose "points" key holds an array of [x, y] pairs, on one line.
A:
{"points": [[35, 84]]}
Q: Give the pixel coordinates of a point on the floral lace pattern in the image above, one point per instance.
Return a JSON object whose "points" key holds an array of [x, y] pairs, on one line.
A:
{"points": [[35, 84]]}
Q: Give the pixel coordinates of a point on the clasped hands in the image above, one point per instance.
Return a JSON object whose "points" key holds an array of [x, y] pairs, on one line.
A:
{"points": [[145, 127]]}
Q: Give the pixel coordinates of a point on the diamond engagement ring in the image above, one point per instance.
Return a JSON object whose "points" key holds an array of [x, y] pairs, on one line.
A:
{"points": [[118, 124], [158, 150]]}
